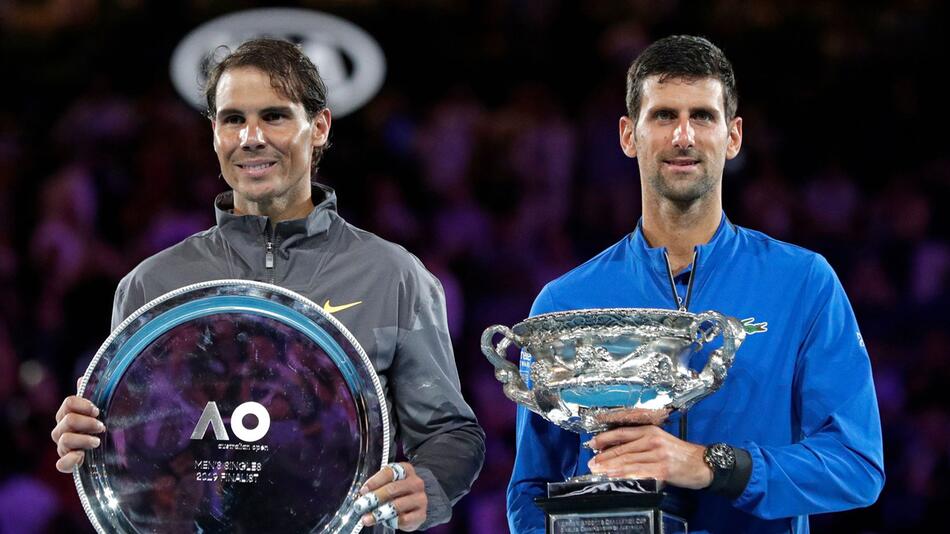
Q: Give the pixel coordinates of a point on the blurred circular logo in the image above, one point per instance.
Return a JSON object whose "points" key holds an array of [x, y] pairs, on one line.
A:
{"points": [[350, 61]]}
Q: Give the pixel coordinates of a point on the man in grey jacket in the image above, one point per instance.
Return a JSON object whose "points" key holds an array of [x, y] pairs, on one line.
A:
{"points": [[267, 106]]}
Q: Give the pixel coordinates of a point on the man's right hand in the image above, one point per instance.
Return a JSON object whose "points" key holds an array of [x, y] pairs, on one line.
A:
{"points": [[75, 423]]}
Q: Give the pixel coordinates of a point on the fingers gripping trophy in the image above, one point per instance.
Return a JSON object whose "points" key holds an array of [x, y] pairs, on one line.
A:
{"points": [[589, 371]]}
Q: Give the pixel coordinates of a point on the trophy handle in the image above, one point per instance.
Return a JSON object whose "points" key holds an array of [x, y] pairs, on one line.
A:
{"points": [[733, 334], [506, 372]]}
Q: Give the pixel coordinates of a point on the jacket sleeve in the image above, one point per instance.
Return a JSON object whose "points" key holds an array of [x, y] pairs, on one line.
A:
{"points": [[837, 463], [438, 430], [544, 453], [128, 298]]}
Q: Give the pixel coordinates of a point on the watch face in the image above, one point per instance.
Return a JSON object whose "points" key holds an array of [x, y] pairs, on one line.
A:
{"points": [[720, 456], [231, 406]]}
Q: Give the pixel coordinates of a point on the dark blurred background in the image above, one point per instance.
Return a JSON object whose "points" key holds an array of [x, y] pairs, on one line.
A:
{"points": [[491, 153]]}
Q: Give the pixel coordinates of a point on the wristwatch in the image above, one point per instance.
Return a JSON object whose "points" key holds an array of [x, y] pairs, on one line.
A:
{"points": [[721, 458]]}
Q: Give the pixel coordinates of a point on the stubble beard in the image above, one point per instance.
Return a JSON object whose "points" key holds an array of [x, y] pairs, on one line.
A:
{"points": [[684, 194], [274, 200]]}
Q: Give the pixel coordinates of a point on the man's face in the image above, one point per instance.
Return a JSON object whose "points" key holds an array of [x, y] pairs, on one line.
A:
{"points": [[681, 137], [263, 140]]}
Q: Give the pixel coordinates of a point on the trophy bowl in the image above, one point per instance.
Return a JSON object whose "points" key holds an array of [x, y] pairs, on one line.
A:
{"points": [[595, 369], [231, 406]]}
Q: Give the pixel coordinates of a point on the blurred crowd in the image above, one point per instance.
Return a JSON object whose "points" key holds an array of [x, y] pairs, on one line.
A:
{"points": [[492, 154]]}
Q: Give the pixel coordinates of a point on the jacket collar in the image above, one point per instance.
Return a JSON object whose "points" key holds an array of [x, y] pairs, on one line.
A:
{"points": [[709, 253], [253, 227]]}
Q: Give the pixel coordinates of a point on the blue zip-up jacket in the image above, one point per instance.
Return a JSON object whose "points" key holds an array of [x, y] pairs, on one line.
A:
{"points": [[799, 397]]}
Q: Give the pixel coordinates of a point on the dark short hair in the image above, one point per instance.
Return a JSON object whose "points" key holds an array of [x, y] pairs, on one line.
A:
{"points": [[681, 56], [291, 73]]}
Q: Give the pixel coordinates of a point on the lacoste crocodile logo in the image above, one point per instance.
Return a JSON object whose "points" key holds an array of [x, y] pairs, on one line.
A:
{"points": [[330, 308], [752, 327]]}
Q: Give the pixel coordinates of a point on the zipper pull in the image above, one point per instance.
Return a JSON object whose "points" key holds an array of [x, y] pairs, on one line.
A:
{"points": [[269, 256]]}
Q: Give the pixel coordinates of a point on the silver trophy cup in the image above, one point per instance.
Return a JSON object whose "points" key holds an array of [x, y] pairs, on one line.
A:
{"points": [[597, 369]]}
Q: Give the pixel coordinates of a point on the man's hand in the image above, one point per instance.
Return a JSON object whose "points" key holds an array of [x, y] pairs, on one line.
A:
{"points": [[402, 499], [75, 422], [650, 452]]}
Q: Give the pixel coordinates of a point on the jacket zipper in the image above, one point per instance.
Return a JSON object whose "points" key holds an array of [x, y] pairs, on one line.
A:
{"points": [[269, 257]]}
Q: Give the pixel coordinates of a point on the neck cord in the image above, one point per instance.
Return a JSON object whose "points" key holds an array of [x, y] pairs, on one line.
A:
{"points": [[681, 304]]}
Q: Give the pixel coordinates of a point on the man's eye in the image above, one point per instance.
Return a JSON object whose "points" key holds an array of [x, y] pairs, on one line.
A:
{"points": [[270, 117], [233, 119], [703, 116], [665, 115]]}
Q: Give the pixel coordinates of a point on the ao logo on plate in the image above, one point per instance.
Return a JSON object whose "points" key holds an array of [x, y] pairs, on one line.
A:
{"points": [[211, 416], [349, 60]]}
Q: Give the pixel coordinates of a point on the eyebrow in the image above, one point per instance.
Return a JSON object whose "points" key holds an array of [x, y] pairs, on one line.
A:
{"points": [[712, 111], [270, 109], [278, 109]]}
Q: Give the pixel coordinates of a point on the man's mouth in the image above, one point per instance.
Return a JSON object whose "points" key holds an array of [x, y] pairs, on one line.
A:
{"points": [[256, 167], [681, 163]]}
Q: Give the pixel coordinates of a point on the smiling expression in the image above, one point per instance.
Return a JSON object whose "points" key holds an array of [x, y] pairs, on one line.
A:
{"points": [[681, 138], [264, 141]]}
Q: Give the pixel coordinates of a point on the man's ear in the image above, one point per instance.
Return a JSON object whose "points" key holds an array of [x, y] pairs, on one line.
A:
{"points": [[321, 127], [735, 138], [628, 136]]}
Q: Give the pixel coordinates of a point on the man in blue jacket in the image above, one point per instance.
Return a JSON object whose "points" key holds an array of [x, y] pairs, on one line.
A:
{"points": [[795, 429]]}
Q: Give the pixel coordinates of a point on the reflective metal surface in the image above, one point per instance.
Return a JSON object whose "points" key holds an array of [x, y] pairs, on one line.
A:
{"points": [[590, 370], [231, 406]]}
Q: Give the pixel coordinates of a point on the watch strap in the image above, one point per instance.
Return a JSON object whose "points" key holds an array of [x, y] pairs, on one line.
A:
{"points": [[733, 483]]}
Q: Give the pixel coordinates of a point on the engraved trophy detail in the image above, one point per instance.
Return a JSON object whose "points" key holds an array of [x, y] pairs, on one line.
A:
{"points": [[588, 371]]}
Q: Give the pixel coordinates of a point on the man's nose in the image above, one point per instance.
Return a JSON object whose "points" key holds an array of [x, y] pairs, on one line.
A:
{"points": [[684, 136], [252, 136]]}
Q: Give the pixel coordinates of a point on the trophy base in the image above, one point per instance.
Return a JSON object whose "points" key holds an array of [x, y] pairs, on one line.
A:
{"points": [[594, 504]]}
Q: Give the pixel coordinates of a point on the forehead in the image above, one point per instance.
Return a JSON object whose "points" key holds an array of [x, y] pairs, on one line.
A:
{"points": [[682, 93], [248, 88]]}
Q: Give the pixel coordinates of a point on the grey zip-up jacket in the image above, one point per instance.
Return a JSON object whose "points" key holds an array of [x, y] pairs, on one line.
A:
{"points": [[382, 294]]}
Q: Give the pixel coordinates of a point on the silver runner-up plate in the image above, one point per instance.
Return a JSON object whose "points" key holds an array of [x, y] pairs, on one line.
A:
{"points": [[231, 406]]}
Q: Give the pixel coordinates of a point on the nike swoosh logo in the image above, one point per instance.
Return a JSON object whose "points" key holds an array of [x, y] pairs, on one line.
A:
{"points": [[330, 308]]}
